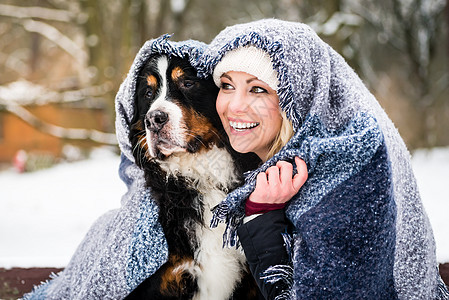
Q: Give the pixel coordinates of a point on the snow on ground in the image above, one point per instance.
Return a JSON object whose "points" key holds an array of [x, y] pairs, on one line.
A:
{"points": [[432, 173], [45, 214]]}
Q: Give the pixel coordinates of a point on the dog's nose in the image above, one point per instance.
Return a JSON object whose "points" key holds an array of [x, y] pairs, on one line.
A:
{"points": [[156, 120]]}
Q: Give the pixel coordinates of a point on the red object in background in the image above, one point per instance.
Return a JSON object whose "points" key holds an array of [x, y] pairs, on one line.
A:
{"points": [[20, 160]]}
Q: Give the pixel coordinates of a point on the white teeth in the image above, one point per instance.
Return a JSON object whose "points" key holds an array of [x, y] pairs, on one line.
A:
{"points": [[242, 126]]}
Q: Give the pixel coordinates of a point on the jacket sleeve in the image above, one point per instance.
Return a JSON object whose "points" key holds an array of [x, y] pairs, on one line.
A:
{"points": [[264, 247]]}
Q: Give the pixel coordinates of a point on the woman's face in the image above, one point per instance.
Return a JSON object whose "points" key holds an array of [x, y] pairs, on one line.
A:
{"points": [[249, 111]]}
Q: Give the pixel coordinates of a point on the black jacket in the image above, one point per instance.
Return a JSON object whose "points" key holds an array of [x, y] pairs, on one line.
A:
{"points": [[264, 246]]}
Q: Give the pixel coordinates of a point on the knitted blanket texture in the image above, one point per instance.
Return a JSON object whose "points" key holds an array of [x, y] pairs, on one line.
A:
{"points": [[360, 229]]}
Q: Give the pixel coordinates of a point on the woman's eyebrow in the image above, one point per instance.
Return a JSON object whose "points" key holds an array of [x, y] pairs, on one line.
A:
{"points": [[251, 79], [230, 78], [226, 76]]}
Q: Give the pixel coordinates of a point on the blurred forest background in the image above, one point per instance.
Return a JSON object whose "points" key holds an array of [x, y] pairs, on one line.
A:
{"points": [[62, 61]]}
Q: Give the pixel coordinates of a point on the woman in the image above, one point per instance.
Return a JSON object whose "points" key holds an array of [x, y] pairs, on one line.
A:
{"points": [[248, 106], [359, 227]]}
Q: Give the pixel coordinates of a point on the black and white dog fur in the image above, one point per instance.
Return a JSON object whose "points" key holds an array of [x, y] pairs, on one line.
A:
{"points": [[180, 144]]}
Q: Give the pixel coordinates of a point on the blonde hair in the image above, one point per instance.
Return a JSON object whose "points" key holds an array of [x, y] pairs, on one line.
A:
{"points": [[285, 134]]}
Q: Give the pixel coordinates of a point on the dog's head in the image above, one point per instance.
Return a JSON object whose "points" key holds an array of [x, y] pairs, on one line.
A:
{"points": [[174, 110]]}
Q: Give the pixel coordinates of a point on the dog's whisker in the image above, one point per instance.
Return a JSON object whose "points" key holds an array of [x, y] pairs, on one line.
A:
{"points": [[144, 152], [219, 136], [139, 148], [196, 138], [139, 141], [214, 132]]}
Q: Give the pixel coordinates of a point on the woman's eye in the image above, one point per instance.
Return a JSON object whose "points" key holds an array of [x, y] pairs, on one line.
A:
{"points": [[226, 86], [258, 90]]}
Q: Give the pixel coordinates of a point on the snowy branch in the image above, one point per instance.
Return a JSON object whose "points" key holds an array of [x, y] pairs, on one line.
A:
{"points": [[26, 93], [58, 131], [337, 20], [58, 38], [14, 63], [36, 12], [19, 93], [380, 20]]}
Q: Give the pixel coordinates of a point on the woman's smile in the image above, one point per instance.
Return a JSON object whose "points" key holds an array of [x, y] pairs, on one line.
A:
{"points": [[242, 126]]}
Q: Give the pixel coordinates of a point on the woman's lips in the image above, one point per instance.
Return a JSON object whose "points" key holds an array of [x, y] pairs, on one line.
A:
{"points": [[239, 127]]}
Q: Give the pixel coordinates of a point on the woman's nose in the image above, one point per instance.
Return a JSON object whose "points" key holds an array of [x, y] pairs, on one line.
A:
{"points": [[238, 103]]}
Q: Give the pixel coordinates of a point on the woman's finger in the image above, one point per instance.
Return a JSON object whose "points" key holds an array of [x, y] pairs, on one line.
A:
{"points": [[261, 180], [286, 173], [273, 176], [259, 194], [302, 175]]}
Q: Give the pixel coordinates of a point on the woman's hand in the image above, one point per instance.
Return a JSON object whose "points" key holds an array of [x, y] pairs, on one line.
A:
{"points": [[277, 184]]}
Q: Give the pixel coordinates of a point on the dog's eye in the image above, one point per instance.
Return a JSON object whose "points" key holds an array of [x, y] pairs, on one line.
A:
{"points": [[149, 93], [188, 84]]}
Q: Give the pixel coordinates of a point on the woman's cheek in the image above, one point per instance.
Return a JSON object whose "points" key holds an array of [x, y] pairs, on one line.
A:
{"points": [[220, 104], [221, 108]]}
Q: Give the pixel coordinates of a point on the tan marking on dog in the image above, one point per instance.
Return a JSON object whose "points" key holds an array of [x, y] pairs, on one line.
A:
{"points": [[177, 73], [152, 81], [200, 126], [172, 281]]}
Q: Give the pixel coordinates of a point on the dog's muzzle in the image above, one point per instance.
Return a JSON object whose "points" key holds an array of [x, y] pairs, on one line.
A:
{"points": [[163, 134]]}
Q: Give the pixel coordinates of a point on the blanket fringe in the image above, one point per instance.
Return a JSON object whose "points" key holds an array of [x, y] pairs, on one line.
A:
{"points": [[277, 273], [288, 240], [443, 293], [221, 214], [40, 291]]}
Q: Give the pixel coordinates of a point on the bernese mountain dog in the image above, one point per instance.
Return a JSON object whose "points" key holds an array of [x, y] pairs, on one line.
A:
{"points": [[179, 142]]}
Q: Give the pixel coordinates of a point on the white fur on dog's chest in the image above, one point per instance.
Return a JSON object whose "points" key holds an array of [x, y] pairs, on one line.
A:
{"points": [[218, 268], [207, 170]]}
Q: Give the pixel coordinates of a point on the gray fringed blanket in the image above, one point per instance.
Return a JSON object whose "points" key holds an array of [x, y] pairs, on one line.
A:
{"points": [[361, 231], [360, 228]]}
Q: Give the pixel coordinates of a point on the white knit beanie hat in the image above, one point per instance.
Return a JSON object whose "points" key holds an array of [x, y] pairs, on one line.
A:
{"points": [[250, 60]]}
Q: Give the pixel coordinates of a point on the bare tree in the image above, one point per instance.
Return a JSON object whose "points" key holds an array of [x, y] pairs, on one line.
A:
{"points": [[403, 38], [96, 41], [17, 95]]}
